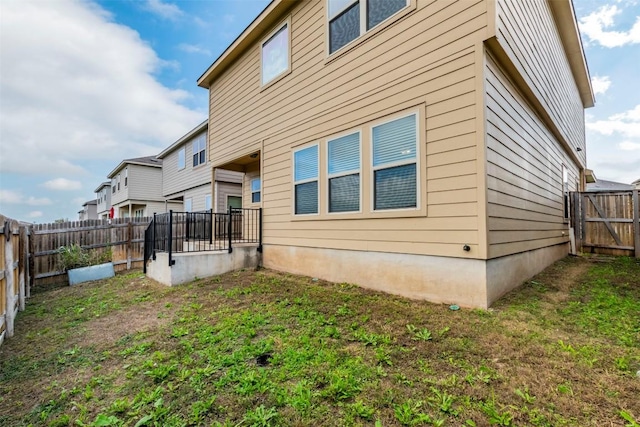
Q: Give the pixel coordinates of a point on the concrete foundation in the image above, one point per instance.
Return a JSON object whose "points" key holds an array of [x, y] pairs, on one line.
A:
{"points": [[191, 265], [466, 282]]}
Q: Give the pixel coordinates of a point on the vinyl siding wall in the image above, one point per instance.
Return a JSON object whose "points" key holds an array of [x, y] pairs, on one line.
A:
{"points": [[145, 183], [527, 31], [524, 172], [425, 61], [176, 180]]}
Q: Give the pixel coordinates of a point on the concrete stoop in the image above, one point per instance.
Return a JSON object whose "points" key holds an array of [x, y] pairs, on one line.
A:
{"points": [[191, 265]]}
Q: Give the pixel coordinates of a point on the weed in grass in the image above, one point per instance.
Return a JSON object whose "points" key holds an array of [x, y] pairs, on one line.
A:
{"points": [[200, 409], [631, 422], [120, 406], [261, 417], [525, 395], [383, 356], [359, 409], [565, 388], [409, 414], [498, 416], [444, 401], [419, 334]]}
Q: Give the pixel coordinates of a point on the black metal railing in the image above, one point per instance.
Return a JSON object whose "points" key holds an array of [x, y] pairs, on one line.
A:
{"points": [[175, 232]]}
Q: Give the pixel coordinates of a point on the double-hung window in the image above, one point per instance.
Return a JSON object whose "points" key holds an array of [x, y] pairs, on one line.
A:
{"points": [[343, 171], [200, 150], [118, 182], [395, 146], [181, 158], [255, 190], [305, 180], [275, 54], [349, 19], [126, 176]]}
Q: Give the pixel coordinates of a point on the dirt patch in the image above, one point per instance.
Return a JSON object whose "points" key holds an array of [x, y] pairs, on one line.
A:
{"points": [[108, 329]]}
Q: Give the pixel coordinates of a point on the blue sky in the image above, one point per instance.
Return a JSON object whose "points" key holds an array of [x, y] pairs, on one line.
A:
{"points": [[85, 84]]}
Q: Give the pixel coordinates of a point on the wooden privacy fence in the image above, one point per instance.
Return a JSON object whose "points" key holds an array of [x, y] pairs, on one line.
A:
{"points": [[14, 273], [607, 222], [124, 236]]}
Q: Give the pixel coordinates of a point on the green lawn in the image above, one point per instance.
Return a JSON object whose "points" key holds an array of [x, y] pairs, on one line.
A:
{"points": [[265, 348]]}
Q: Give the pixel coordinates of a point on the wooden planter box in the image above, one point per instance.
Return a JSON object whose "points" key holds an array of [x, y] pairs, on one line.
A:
{"points": [[87, 274]]}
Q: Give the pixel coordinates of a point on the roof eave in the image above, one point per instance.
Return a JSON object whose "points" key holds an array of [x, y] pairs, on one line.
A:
{"points": [[263, 23], [567, 25]]}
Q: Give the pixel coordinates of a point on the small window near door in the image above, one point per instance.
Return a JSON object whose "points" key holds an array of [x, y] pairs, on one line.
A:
{"points": [[256, 188], [188, 203], [207, 202]]}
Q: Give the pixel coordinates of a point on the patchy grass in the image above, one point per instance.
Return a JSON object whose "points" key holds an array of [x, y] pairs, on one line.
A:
{"points": [[266, 348]]}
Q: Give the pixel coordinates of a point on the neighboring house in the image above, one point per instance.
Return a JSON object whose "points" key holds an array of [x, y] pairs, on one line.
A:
{"points": [[136, 188], [416, 147], [103, 194], [636, 184], [604, 185], [186, 176], [89, 210]]}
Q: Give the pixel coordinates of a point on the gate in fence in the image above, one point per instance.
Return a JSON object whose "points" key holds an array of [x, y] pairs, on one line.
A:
{"points": [[607, 222]]}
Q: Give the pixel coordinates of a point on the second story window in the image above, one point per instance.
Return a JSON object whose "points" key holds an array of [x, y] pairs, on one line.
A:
{"points": [[126, 176], [275, 54], [200, 150], [113, 186], [181, 158], [118, 182], [349, 19]]}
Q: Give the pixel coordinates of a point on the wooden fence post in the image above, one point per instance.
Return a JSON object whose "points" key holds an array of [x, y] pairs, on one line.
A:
{"points": [[636, 222], [9, 302], [129, 242]]}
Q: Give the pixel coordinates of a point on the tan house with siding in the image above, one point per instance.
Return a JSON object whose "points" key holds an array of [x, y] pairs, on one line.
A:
{"points": [[186, 176], [136, 188], [418, 147]]}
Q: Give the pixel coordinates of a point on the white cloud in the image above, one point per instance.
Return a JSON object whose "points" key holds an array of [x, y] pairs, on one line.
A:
{"points": [[35, 214], [16, 198], [595, 26], [600, 84], [79, 201], [164, 10], [629, 146], [191, 48], [77, 86], [62, 184], [626, 124]]}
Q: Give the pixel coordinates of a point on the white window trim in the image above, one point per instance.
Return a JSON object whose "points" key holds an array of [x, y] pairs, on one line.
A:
{"points": [[208, 196], [286, 72], [410, 5], [126, 176], [190, 200], [304, 181], [415, 161], [183, 150], [337, 175]]}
